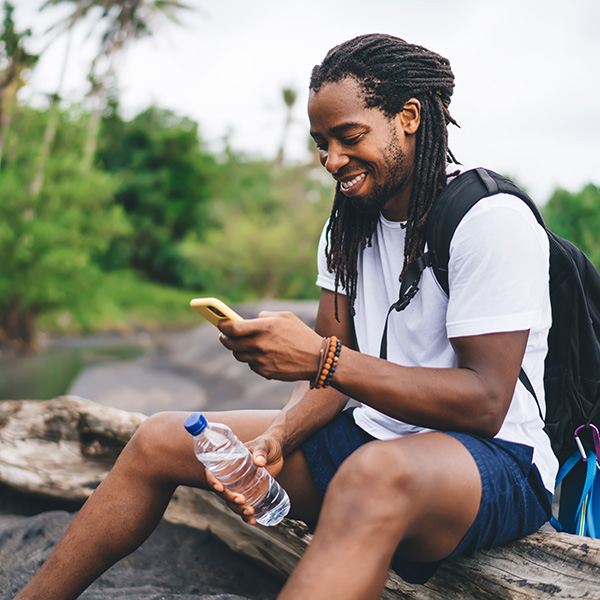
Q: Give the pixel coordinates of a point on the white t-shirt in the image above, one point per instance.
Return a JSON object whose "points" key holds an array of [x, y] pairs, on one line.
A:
{"points": [[498, 280]]}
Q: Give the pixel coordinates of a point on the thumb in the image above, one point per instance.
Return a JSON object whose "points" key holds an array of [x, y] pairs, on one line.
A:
{"points": [[260, 458], [260, 453]]}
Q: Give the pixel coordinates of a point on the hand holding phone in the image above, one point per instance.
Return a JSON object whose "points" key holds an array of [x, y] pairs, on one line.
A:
{"points": [[214, 310]]}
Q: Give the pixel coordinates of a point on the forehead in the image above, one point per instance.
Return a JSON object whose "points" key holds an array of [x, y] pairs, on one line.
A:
{"points": [[339, 103]]}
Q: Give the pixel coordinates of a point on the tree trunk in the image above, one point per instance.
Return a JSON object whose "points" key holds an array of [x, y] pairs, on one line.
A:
{"points": [[64, 448], [17, 326], [91, 140], [39, 175]]}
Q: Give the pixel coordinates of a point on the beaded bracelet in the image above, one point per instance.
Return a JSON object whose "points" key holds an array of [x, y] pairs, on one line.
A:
{"points": [[336, 356], [323, 357], [323, 367], [330, 352]]}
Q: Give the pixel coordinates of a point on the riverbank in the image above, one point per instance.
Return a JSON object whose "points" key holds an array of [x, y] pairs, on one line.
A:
{"points": [[175, 563], [188, 370]]}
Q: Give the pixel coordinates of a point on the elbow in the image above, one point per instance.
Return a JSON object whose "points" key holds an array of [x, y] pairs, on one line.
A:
{"points": [[491, 419], [489, 430]]}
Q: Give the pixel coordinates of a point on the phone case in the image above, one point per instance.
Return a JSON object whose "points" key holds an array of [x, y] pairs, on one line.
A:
{"points": [[214, 310]]}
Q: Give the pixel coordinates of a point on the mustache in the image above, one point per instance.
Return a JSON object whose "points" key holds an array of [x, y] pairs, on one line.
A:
{"points": [[349, 170]]}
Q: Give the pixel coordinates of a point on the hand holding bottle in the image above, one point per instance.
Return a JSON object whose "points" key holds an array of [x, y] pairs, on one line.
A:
{"points": [[230, 469]]}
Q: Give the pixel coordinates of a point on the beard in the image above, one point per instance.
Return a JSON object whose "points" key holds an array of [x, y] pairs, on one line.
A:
{"points": [[393, 180]]}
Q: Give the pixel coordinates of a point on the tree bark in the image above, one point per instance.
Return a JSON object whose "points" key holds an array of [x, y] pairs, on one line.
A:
{"points": [[63, 448]]}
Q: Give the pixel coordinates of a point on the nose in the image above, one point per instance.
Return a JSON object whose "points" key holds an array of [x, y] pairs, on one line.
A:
{"points": [[334, 159]]}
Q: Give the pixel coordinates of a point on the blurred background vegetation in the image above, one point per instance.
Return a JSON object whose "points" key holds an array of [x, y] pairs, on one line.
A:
{"points": [[109, 224], [112, 224]]}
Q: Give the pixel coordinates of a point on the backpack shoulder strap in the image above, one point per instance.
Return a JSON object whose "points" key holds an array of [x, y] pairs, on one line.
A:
{"points": [[459, 196]]}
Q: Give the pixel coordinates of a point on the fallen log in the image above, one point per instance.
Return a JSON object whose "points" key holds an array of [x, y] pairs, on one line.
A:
{"points": [[63, 448]]}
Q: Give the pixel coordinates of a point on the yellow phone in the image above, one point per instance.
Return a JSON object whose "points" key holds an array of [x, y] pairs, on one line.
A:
{"points": [[214, 310]]}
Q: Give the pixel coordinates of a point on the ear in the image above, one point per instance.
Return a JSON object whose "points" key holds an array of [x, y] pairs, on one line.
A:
{"points": [[410, 116]]}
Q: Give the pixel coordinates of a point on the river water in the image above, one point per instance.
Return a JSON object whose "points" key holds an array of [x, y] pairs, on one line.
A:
{"points": [[149, 371], [51, 372]]}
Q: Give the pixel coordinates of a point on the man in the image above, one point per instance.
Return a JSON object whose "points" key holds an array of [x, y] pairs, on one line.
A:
{"points": [[446, 452]]}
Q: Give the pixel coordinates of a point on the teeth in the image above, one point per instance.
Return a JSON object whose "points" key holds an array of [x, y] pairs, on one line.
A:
{"points": [[346, 185]]}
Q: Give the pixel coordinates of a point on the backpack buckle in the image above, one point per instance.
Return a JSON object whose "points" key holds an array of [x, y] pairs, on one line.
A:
{"points": [[404, 301], [595, 435]]}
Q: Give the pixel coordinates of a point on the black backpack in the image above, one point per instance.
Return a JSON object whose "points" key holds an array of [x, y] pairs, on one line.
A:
{"points": [[572, 367]]}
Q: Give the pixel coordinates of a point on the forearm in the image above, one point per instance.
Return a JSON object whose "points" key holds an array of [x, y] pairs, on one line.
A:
{"points": [[307, 411], [459, 399]]}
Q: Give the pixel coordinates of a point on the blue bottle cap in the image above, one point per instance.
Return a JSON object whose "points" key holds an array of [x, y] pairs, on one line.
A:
{"points": [[195, 423]]}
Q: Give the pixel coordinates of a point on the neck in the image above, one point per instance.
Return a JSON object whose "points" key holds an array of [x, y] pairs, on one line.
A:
{"points": [[396, 208]]}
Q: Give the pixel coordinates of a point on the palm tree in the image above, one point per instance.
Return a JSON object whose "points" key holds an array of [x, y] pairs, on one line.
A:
{"points": [[126, 21], [289, 95], [16, 60], [82, 8]]}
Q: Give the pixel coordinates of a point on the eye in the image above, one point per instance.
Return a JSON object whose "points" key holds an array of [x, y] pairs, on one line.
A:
{"points": [[321, 147], [352, 140]]}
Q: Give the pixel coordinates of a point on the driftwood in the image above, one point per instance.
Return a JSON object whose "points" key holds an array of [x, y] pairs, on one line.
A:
{"points": [[64, 447]]}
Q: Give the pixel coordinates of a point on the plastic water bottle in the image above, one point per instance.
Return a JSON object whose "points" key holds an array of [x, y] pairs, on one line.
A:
{"points": [[224, 455]]}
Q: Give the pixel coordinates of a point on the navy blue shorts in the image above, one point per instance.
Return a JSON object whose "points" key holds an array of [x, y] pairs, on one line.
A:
{"points": [[514, 501]]}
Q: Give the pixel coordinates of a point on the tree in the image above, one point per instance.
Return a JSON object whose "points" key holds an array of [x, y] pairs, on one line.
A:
{"points": [[266, 228], [576, 217], [125, 21], [165, 176], [43, 153], [289, 96], [48, 242], [14, 63]]}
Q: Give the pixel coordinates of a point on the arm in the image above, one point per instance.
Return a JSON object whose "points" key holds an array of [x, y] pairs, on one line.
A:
{"points": [[280, 346], [473, 397]]}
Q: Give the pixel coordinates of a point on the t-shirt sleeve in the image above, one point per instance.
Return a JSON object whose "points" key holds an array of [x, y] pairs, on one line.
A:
{"points": [[498, 270], [325, 279]]}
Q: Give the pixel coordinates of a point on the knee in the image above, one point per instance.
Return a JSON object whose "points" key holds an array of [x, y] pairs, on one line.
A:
{"points": [[152, 440], [375, 482]]}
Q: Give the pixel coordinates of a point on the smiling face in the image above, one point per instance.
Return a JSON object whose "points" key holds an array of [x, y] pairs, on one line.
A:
{"points": [[370, 154]]}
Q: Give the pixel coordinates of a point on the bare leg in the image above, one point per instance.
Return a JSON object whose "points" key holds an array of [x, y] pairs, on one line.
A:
{"points": [[130, 502], [422, 492]]}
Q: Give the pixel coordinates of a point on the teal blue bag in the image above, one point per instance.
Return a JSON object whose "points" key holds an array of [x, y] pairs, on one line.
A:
{"points": [[579, 507]]}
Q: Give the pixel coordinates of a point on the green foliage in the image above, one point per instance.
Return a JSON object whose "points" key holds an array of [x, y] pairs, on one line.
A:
{"points": [[48, 241], [267, 226], [164, 176], [576, 217], [14, 63], [128, 301], [13, 55]]}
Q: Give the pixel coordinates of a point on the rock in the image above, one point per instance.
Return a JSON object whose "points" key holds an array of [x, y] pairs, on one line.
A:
{"points": [[191, 370]]}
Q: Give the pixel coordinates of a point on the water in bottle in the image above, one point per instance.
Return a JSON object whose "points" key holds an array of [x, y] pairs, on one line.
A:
{"points": [[224, 455]]}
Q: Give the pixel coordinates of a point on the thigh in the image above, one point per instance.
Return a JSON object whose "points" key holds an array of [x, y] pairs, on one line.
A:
{"points": [[513, 503], [446, 495], [422, 491]]}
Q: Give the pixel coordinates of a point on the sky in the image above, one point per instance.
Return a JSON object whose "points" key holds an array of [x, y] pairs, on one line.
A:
{"points": [[527, 94]]}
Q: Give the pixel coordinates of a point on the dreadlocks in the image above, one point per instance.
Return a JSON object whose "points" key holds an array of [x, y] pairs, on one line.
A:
{"points": [[390, 72]]}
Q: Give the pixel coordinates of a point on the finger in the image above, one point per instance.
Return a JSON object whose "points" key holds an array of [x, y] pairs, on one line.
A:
{"points": [[233, 497], [260, 455], [264, 314], [260, 459], [224, 340], [213, 481], [244, 328]]}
